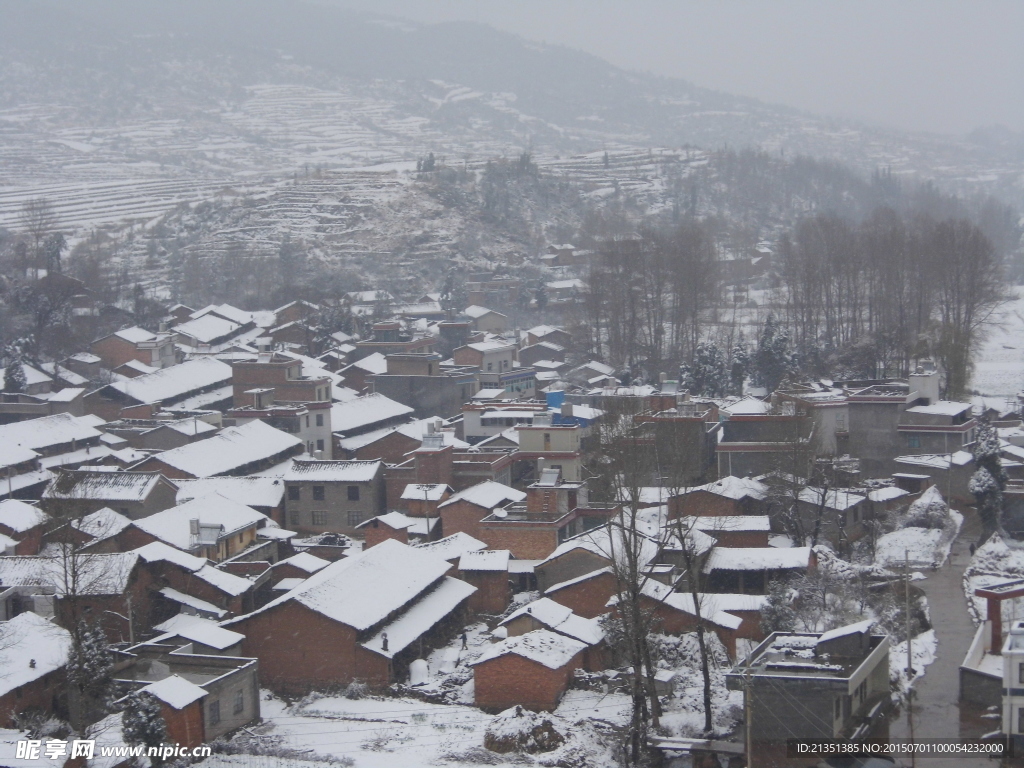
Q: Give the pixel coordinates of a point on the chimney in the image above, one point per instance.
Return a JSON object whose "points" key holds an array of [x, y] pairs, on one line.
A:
{"points": [[566, 410]]}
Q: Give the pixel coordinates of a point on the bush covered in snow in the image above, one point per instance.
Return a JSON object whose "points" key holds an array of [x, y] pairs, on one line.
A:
{"points": [[929, 511], [520, 730]]}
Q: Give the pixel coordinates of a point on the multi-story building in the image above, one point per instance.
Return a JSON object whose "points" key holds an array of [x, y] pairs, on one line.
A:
{"points": [[333, 496], [154, 349]]}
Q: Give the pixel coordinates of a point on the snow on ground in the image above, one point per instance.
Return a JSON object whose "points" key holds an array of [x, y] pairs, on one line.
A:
{"points": [[919, 545], [999, 364], [922, 653], [996, 560]]}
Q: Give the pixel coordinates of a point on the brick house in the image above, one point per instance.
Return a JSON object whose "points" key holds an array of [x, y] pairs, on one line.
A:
{"points": [[360, 618], [132, 494], [212, 527], [486, 320], [233, 451], [423, 499], [280, 372], [135, 344], [548, 333], [749, 571], [23, 523], [531, 670], [299, 566], [728, 497], [464, 510], [264, 494], [294, 311], [35, 655], [397, 526], [394, 444], [333, 496], [547, 614], [167, 386], [487, 570], [488, 356], [732, 531]]}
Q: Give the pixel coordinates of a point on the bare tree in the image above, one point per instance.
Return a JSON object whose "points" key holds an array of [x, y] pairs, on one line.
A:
{"points": [[38, 219]]}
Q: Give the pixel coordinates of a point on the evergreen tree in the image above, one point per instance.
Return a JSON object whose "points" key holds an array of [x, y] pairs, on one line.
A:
{"points": [[142, 721], [686, 378], [89, 661], [710, 373], [738, 369], [14, 373], [989, 481], [777, 615], [540, 296], [773, 357], [54, 246]]}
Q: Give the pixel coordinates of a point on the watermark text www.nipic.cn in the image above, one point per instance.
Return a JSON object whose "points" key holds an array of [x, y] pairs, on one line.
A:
{"points": [[53, 749]]}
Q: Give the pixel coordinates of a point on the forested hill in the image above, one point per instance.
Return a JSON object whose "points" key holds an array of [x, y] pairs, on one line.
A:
{"points": [[113, 59]]}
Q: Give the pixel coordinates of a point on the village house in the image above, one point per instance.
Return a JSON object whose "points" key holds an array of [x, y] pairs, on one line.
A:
{"points": [[397, 526], [547, 614], [202, 697], [160, 434], [548, 333], [365, 618], [99, 531], [155, 350], [281, 373], [242, 450], [192, 634], [133, 494], [264, 494], [212, 527], [547, 446], [486, 320], [451, 548], [757, 438], [839, 514], [813, 686], [35, 656], [368, 413], [423, 499], [463, 511], [333, 496], [299, 566], [749, 571], [309, 422], [728, 497], [203, 376], [24, 525], [731, 530], [532, 354], [487, 356], [422, 383], [487, 570], [531, 670]]}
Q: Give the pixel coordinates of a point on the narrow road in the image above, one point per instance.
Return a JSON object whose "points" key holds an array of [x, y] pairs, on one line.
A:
{"points": [[936, 711]]}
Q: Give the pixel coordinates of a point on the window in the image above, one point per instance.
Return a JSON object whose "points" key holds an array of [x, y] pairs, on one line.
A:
{"points": [[319, 419], [241, 538], [1020, 720], [319, 518], [320, 445], [214, 712], [353, 493], [490, 366], [294, 493], [307, 421], [354, 519], [1020, 674], [293, 517], [913, 441], [318, 493], [239, 701]]}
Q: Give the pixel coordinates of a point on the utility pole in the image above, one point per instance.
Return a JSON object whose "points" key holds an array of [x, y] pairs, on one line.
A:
{"points": [[748, 707], [910, 643]]}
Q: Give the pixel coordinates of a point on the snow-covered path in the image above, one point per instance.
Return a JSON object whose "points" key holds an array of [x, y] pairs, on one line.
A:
{"points": [[936, 712]]}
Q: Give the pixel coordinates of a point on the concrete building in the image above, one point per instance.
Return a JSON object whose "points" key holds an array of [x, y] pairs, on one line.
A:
{"points": [[333, 496], [153, 349], [420, 382], [531, 670], [281, 373], [132, 494]]}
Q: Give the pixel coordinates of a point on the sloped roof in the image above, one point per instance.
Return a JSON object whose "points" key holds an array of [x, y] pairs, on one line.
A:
{"points": [[327, 471], [485, 560], [208, 328], [251, 491], [175, 381], [476, 311], [542, 646], [33, 647], [230, 449], [757, 558], [365, 411], [198, 629], [19, 516], [558, 618], [106, 486], [35, 434], [362, 590], [453, 546], [172, 525], [12, 455], [419, 617], [134, 334], [734, 488], [305, 562], [93, 574], [424, 491], [487, 495], [175, 691], [102, 524]]}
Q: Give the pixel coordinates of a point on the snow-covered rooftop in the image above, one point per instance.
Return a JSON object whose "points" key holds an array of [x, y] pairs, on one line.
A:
{"points": [[11, 454], [833, 498], [331, 471], [850, 629], [542, 646], [887, 494], [20, 517], [199, 630], [102, 524], [476, 311], [208, 328], [558, 618], [487, 494], [757, 558], [172, 525], [175, 381], [451, 547], [94, 574], [426, 612], [748, 406], [32, 648], [251, 491], [364, 589], [230, 449], [424, 491], [46, 431], [937, 460], [175, 691], [135, 334], [485, 560], [365, 411], [732, 523], [941, 408], [105, 486], [305, 562]]}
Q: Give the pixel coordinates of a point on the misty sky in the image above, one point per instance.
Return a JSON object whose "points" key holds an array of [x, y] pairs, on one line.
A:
{"points": [[938, 65]]}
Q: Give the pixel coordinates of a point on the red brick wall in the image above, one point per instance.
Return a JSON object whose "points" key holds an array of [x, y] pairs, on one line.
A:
{"points": [[463, 516], [185, 726], [510, 680], [588, 598], [671, 621], [40, 694], [435, 466], [525, 542], [300, 650], [702, 503], [391, 449], [492, 595], [374, 534], [155, 465], [751, 626], [116, 351]]}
